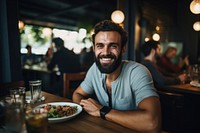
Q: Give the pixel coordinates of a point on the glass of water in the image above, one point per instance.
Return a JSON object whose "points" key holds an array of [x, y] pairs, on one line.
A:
{"points": [[35, 89]]}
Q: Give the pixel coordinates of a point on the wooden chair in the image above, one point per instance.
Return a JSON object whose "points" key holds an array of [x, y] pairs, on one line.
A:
{"points": [[172, 107], [68, 79], [5, 87]]}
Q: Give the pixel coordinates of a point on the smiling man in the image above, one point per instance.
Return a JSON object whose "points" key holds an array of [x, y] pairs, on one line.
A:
{"points": [[124, 89]]}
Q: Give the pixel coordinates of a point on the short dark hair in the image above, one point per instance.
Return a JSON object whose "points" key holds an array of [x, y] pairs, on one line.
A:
{"points": [[58, 42], [108, 25], [148, 46], [28, 46]]}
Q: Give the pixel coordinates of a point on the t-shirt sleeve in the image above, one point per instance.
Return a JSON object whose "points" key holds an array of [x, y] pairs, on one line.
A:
{"points": [[143, 83], [87, 85]]}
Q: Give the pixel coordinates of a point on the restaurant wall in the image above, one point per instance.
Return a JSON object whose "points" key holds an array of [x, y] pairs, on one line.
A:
{"points": [[131, 25], [189, 37], [129, 7], [10, 42], [176, 25]]}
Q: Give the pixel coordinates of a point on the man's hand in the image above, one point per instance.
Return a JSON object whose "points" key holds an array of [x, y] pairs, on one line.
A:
{"points": [[91, 106], [182, 77]]}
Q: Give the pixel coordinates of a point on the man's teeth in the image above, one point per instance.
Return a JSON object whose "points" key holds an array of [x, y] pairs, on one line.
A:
{"points": [[106, 58]]}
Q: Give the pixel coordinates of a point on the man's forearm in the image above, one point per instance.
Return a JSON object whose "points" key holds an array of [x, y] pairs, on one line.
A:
{"points": [[77, 98], [146, 119]]}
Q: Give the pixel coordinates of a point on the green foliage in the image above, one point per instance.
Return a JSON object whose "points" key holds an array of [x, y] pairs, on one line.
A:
{"points": [[32, 34]]}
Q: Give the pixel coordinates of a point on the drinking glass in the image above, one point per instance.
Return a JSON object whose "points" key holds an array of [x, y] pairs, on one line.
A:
{"points": [[35, 89], [36, 121], [195, 73], [14, 116], [18, 95]]}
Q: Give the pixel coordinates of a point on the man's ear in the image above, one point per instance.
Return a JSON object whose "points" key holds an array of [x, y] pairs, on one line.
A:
{"points": [[153, 51], [123, 50]]}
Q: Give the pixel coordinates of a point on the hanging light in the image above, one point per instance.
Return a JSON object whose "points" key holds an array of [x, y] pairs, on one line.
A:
{"points": [[157, 28], [156, 37], [20, 24], [195, 6], [196, 26], [146, 39], [117, 16]]}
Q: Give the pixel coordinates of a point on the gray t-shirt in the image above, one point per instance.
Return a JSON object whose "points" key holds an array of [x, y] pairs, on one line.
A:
{"points": [[132, 86]]}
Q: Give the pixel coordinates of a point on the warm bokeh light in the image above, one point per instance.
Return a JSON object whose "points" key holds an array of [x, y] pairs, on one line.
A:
{"points": [[20, 24], [91, 32], [196, 26], [156, 37], [195, 6], [146, 39], [117, 16], [157, 28]]}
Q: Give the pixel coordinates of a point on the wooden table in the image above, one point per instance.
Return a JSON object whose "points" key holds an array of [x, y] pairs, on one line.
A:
{"points": [[182, 88], [83, 123]]}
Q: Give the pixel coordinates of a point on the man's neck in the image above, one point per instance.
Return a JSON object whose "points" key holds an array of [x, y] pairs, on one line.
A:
{"points": [[114, 75], [150, 58]]}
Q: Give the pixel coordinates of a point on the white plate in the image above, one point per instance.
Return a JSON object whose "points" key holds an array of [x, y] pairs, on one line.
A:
{"points": [[196, 84], [28, 99], [65, 118]]}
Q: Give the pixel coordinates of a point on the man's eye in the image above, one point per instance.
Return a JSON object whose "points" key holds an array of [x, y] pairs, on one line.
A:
{"points": [[114, 46], [99, 46]]}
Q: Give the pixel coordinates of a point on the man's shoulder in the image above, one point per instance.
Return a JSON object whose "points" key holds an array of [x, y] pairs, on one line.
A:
{"points": [[133, 67], [32, 56], [69, 52], [147, 63], [94, 68], [131, 64], [63, 52]]}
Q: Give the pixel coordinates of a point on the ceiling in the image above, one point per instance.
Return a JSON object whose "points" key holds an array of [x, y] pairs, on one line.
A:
{"points": [[65, 14], [74, 14]]}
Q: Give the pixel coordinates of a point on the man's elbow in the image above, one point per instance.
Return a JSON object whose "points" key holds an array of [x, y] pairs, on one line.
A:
{"points": [[154, 126]]}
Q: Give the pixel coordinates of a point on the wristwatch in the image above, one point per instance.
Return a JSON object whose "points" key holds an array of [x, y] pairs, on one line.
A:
{"points": [[104, 111]]}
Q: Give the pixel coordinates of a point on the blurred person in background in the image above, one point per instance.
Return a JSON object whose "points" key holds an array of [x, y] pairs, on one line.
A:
{"points": [[152, 51], [49, 54], [86, 58], [29, 58], [165, 62], [65, 60]]}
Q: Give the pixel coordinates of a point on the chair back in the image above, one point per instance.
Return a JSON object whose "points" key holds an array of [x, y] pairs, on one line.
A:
{"points": [[5, 87], [68, 79], [172, 106]]}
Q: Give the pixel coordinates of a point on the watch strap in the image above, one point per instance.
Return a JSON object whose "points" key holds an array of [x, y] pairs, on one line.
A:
{"points": [[103, 111]]}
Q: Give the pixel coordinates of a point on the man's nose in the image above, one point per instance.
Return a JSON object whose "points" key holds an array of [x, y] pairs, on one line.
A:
{"points": [[106, 50]]}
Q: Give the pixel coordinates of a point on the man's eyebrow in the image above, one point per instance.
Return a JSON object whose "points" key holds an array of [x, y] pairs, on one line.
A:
{"points": [[114, 43], [110, 43], [98, 43]]}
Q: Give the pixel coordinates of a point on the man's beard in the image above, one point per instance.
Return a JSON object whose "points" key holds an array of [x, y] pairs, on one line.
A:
{"points": [[108, 68], [157, 57]]}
